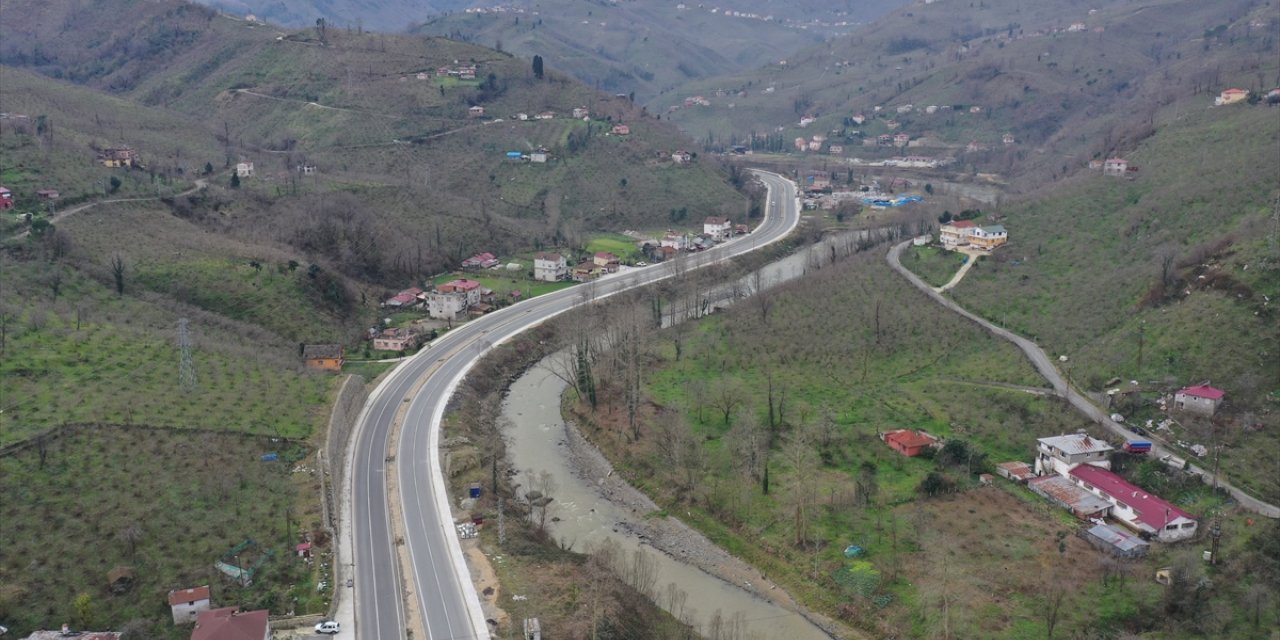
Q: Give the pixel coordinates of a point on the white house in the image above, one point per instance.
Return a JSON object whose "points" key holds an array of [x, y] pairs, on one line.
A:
{"points": [[550, 267], [1062, 454], [1133, 506], [580, 113], [1115, 167], [989, 237], [244, 169], [956, 233], [452, 299], [719, 228], [538, 156], [1202, 399], [186, 604]]}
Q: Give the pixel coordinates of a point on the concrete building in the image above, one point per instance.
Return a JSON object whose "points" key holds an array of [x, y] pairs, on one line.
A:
{"points": [[1201, 399], [550, 267], [1060, 454], [186, 604]]}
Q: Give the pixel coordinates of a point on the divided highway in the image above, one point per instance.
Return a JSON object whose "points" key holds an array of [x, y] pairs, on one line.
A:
{"points": [[438, 585]]}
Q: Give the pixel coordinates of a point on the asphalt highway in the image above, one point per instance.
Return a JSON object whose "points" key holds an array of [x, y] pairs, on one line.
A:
{"points": [[436, 583]]}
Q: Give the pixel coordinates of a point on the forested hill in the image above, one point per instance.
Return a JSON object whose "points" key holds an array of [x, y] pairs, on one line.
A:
{"points": [[647, 48], [1069, 81], [409, 178]]}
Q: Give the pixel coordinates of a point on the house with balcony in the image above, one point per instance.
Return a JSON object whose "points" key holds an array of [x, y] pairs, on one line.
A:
{"points": [[718, 227], [956, 233], [988, 237], [550, 267], [1060, 454]]}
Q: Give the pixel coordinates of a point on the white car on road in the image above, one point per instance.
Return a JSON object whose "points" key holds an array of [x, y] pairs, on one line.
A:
{"points": [[328, 626]]}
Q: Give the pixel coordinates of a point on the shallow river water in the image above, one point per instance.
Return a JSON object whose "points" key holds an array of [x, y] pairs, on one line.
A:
{"points": [[537, 442]]}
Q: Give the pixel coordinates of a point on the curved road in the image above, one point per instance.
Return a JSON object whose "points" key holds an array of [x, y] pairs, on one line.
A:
{"points": [[438, 586], [1044, 364]]}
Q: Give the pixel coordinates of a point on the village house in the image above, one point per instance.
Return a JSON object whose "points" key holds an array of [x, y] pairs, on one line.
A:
{"points": [[6, 198], [545, 115], [522, 116], [801, 144], [1095, 164], [1231, 96], [931, 109], [956, 233], [1007, 139], [244, 169], [453, 298], [835, 149], [988, 237], [673, 240], [1115, 167], [975, 109], [475, 111], [538, 156], [884, 140], [607, 260], [307, 169], [621, 130], [186, 604], [323, 357], [1060, 454], [1061, 491], [119, 157], [66, 632], [681, 157], [901, 140], [815, 145], [907, 442], [892, 124], [718, 227], [975, 147], [858, 119], [580, 113], [1202, 399], [1133, 507], [48, 194], [550, 267], [906, 108], [395, 339], [1016, 471], [807, 120], [484, 260], [585, 271], [229, 623], [404, 299]]}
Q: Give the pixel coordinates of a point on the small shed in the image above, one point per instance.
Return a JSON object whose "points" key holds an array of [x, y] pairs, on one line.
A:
{"points": [[303, 549], [1116, 542], [324, 357], [1016, 471], [907, 442]]}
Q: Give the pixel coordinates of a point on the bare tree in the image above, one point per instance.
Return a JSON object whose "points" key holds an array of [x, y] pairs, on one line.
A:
{"points": [[726, 395], [117, 272]]}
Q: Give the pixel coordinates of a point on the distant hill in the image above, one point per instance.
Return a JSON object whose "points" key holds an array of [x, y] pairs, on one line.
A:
{"points": [[1068, 82], [389, 16], [407, 182], [646, 48]]}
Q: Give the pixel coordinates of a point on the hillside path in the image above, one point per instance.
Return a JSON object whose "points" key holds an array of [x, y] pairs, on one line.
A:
{"points": [[61, 215], [1044, 364], [972, 257]]}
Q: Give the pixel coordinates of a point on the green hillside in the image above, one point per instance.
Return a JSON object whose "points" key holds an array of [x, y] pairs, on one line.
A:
{"points": [[1086, 274], [1069, 83], [401, 167]]}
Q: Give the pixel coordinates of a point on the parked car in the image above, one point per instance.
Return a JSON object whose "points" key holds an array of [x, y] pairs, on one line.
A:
{"points": [[1139, 430], [328, 626]]}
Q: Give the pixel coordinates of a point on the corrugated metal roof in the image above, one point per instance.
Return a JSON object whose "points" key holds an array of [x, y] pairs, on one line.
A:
{"points": [[1076, 443]]}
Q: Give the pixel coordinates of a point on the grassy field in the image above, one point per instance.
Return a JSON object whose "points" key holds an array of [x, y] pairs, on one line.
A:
{"points": [[166, 503], [619, 245], [935, 266]]}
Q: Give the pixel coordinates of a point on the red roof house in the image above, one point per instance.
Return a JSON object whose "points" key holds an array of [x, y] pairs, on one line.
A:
{"points": [[909, 443], [1134, 507], [186, 604], [1201, 398], [229, 623]]}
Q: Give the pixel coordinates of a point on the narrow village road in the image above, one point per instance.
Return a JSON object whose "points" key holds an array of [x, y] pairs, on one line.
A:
{"points": [[61, 215], [1044, 364]]}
